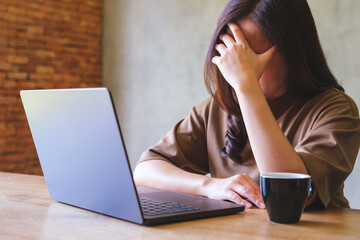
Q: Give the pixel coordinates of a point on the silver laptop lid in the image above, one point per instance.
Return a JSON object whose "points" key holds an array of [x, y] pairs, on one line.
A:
{"points": [[83, 159]]}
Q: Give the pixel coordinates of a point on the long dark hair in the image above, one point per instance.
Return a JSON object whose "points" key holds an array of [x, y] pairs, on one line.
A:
{"points": [[289, 25]]}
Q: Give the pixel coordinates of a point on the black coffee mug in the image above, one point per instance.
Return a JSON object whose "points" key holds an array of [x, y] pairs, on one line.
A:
{"points": [[285, 195]]}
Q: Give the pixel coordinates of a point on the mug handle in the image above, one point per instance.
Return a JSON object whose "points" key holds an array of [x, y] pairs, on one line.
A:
{"points": [[311, 190]]}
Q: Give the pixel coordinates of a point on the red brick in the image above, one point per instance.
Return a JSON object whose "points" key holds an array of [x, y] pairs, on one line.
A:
{"points": [[54, 46], [19, 85], [17, 59], [35, 30], [4, 65], [45, 54], [3, 8], [9, 100], [18, 75], [9, 17], [17, 10], [71, 78], [26, 68], [44, 69], [39, 77], [10, 149]]}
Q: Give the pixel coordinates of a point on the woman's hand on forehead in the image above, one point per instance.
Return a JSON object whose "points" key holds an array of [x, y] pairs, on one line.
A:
{"points": [[239, 64]]}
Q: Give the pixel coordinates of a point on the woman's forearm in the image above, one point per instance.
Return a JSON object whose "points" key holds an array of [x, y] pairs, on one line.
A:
{"points": [[164, 175], [272, 150], [242, 68]]}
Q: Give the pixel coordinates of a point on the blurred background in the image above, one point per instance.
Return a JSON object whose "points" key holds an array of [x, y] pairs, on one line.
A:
{"points": [[149, 53]]}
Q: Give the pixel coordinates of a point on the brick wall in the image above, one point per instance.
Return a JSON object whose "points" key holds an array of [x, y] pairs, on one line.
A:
{"points": [[43, 44]]}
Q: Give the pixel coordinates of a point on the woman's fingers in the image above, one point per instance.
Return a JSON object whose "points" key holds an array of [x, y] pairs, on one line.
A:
{"points": [[252, 196], [236, 198], [245, 178], [238, 34], [216, 60], [247, 188], [227, 40], [220, 48], [238, 189], [238, 63]]}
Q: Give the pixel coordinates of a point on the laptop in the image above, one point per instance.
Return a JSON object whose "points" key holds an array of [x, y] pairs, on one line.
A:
{"points": [[83, 157]]}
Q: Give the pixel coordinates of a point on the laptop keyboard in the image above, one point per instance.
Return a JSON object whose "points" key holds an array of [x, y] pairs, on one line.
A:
{"points": [[153, 208]]}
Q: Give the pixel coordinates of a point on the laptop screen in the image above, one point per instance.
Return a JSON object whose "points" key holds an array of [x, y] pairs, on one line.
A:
{"points": [[81, 150]]}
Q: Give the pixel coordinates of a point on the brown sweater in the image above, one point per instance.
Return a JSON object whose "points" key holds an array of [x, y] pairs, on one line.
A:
{"points": [[324, 131]]}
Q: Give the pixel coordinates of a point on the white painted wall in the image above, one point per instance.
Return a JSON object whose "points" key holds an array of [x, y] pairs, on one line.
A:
{"points": [[154, 51]]}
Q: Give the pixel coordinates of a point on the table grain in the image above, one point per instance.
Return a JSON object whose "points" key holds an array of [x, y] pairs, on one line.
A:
{"points": [[28, 212]]}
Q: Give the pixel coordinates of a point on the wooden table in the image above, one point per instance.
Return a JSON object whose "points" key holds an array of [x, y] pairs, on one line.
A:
{"points": [[27, 212]]}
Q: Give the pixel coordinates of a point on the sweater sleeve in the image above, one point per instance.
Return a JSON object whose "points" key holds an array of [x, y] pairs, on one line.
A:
{"points": [[330, 148], [185, 144]]}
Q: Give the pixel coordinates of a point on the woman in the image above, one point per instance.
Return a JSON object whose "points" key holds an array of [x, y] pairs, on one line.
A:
{"points": [[276, 102]]}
